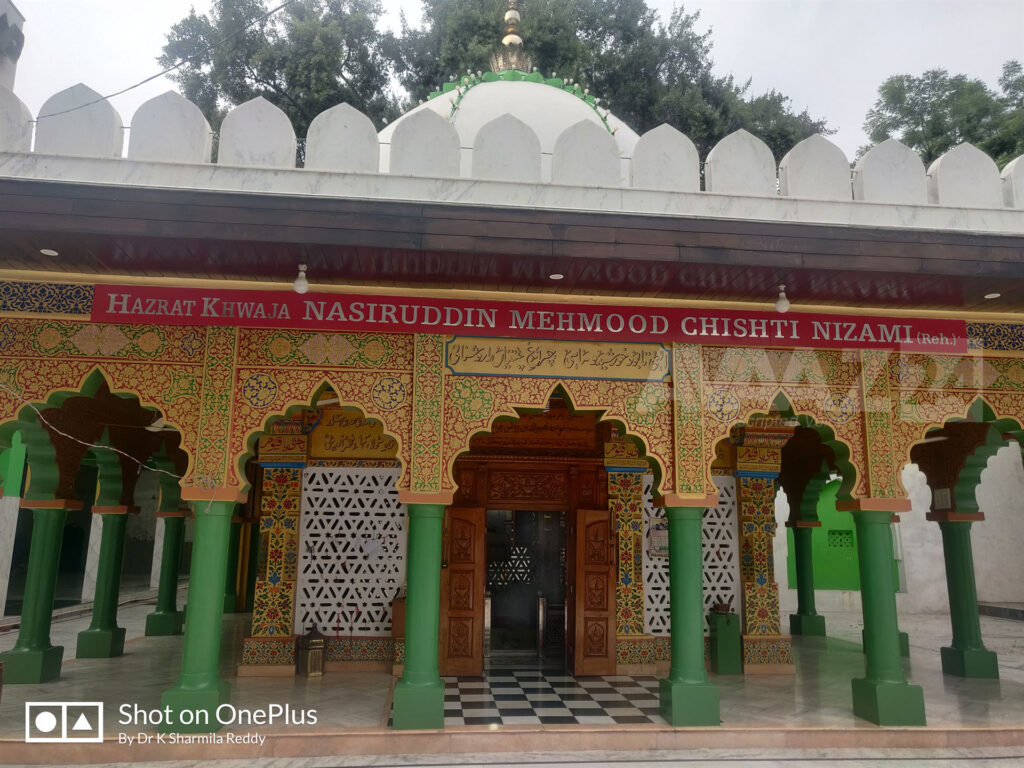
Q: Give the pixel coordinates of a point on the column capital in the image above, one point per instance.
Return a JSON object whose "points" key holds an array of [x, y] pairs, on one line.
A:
{"points": [[954, 517], [196, 495], [444, 498], [71, 505], [116, 509], [764, 474], [679, 500], [868, 504], [803, 523]]}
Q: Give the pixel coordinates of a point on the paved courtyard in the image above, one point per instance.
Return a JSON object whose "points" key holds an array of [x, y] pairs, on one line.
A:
{"points": [[764, 718]]}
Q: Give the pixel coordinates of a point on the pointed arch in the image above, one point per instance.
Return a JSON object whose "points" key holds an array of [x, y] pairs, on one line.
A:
{"points": [[534, 399], [298, 403]]}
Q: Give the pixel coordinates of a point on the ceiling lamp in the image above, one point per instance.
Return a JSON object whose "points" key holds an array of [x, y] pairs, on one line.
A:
{"points": [[157, 425], [301, 284], [782, 303]]}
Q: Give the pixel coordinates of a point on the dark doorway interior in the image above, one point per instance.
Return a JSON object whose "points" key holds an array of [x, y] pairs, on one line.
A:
{"points": [[526, 585]]}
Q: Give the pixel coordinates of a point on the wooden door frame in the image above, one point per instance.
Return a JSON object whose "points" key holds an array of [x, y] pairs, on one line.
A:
{"points": [[583, 485]]}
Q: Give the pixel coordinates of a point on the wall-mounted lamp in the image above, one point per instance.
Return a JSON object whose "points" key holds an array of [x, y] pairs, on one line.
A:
{"points": [[782, 303], [301, 284]]}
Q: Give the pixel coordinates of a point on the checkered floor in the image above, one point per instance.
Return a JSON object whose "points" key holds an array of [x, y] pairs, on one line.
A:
{"points": [[532, 697]]}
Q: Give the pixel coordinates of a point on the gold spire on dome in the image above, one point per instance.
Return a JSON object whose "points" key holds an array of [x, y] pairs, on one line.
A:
{"points": [[511, 55]]}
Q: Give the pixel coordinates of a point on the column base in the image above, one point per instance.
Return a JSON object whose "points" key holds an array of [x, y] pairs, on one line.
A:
{"points": [[33, 666], [164, 623], [888, 703], [194, 710], [904, 643], [974, 662], [691, 704], [100, 643], [418, 707], [809, 626]]}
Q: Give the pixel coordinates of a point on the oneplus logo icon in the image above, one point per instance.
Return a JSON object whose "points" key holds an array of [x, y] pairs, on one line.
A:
{"points": [[63, 722]]}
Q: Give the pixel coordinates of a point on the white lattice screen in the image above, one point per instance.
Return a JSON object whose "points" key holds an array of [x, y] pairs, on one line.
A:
{"points": [[720, 538], [351, 550]]}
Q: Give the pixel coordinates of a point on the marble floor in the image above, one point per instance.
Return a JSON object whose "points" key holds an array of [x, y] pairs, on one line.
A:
{"points": [[817, 697]]}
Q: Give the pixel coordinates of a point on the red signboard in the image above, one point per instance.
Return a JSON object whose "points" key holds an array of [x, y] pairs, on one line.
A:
{"points": [[521, 319]]}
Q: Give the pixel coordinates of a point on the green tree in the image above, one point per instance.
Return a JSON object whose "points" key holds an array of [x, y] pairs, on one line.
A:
{"points": [[308, 57], [936, 111], [645, 71]]}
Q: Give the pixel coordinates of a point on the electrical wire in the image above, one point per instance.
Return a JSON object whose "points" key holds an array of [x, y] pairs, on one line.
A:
{"points": [[180, 64], [62, 433]]}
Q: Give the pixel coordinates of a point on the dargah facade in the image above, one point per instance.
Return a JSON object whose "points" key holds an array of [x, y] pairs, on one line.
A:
{"points": [[538, 399]]}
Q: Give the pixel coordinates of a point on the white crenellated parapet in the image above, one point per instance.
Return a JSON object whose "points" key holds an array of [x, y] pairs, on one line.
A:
{"points": [[1013, 183], [964, 177], [506, 149], [170, 129], [15, 124], [425, 144], [741, 164], [343, 140], [80, 122], [890, 172], [586, 155], [815, 169], [664, 158], [258, 134]]}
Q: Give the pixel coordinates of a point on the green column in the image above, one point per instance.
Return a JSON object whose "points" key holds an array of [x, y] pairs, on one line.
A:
{"points": [[34, 659], [419, 695], [687, 697], [883, 695], [967, 656], [167, 619], [200, 689], [104, 638], [806, 620], [231, 577]]}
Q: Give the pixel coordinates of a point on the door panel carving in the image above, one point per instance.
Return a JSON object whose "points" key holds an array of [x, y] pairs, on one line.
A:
{"points": [[595, 598], [463, 569], [597, 592], [462, 591], [460, 639], [596, 634]]}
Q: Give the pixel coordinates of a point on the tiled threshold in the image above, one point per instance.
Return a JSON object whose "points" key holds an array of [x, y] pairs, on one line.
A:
{"points": [[518, 740]]}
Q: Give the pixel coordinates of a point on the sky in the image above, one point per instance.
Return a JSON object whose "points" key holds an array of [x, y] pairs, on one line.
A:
{"points": [[828, 56]]}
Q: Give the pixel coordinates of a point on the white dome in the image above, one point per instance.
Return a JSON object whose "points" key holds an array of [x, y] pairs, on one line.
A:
{"points": [[547, 110]]}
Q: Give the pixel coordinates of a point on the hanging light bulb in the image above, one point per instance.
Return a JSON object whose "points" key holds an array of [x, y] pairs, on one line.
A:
{"points": [[301, 284], [782, 303]]}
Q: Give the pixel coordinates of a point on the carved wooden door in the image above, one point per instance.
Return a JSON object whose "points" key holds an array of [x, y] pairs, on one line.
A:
{"points": [[570, 590], [594, 614], [463, 572]]}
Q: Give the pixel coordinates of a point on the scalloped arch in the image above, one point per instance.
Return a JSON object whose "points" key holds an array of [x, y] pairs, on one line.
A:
{"points": [[296, 404], [515, 411], [840, 450]]}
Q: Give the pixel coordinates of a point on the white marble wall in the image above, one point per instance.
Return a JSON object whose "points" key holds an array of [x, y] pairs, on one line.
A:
{"points": [[997, 559], [8, 527], [92, 559], [960, 192], [158, 551], [998, 567]]}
